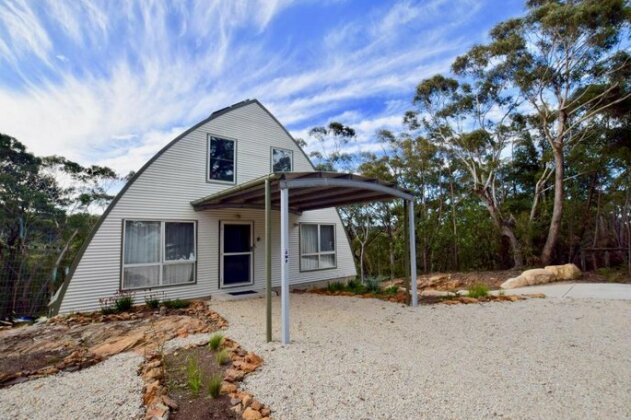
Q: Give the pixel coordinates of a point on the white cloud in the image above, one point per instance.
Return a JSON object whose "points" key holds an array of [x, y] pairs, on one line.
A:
{"points": [[129, 76]]}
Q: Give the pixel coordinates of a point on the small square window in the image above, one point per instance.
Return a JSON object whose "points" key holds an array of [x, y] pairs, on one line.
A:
{"points": [[282, 160]]}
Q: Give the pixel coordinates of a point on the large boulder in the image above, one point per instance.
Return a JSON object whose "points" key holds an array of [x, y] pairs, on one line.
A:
{"points": [[529, 278], [543, 275], [565, 271]]}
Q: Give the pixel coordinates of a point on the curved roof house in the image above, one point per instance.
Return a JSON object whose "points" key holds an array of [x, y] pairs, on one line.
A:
{"points": [[156, 237]]}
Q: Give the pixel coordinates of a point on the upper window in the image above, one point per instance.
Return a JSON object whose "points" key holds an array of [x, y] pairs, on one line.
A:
{"points": [[158, 254], [221, 159], [317, 246], [282, 160]]}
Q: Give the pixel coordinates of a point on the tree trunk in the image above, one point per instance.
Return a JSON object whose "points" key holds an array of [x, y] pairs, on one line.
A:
{"points": [[557, 212], [518, 256]]}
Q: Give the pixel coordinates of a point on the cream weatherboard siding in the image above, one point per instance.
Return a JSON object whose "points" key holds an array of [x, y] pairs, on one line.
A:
{"points": [[164, 190]]}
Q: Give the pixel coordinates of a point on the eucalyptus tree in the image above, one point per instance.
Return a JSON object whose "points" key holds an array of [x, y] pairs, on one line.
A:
{"points": [[551, 56], [471, 122], [331, 147]]}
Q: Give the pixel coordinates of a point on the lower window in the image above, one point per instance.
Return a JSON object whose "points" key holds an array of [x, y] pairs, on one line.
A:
{"points": [[317, 246], [158, 253]]}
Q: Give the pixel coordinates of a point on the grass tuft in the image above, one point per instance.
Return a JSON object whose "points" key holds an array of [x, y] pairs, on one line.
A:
{"points": [[215, 341], [194, 376], [222, 357], [335, 286], [478, 291], [391, 290], [214, 385]]}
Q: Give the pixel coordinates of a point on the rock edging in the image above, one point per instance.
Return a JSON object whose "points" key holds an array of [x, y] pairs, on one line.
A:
{"points": [[548, 274]]}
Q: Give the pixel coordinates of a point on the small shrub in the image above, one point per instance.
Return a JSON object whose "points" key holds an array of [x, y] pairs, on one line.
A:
{"points": [[222, 357], [214, 385], [391, 290], [478, 291], [215, 341], [152, 302], [355, 286], [123, 301], [194, 376], [336, 286], [107, 306], [176, 304], [373, 285]]}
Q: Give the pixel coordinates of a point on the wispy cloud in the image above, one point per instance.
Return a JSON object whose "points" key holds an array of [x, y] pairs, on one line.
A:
{"points": [[112, 82]]}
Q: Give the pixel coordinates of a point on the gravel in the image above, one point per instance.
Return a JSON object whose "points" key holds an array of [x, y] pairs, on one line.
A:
{"points": [[365, 359], [109, 390]]}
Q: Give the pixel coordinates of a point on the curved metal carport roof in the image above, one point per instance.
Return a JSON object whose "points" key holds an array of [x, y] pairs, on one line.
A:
{"points": [[309, 191]]}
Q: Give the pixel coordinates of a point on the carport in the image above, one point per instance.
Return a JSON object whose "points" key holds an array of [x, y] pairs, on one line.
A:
{"points": [[309, 191]]}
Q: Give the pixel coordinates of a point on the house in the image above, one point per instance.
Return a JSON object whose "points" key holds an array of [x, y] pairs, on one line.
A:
{"points": [[158, 237]]}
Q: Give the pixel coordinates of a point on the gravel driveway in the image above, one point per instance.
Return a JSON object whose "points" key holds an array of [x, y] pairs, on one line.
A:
{"points": [[365, 359]]}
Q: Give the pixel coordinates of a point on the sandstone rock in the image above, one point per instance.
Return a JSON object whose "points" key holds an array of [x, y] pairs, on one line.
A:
{"points": [[256, 405], [246, 400], [236, 408], [265, 411], [151, 391], [565, 271], [250, 414], [118, 345], [227, 388], [233, 375], [529, 278], [535, 295], [253, 358], [152, 374], [169, 402], [467, 300]]}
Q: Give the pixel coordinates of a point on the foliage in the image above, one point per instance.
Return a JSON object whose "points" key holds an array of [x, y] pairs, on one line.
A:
{"points": [[222, 357], [373, 285], [335, 286], [176, 303], [478, 291], [215, 341], [391, 290], [214, 385], [193, 375], [123, 301], [152, 301]]}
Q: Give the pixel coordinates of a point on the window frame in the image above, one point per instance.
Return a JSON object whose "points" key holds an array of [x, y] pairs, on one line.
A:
{"points": [[271, 159], [209, 137], [319, 253], [163, 262]]}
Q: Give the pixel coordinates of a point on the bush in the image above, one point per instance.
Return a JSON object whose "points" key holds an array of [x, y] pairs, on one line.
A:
{"points": [[176, 304], [215, 341], [222, 357], [152, 302], [373, 285], [124, 301], [194, 376], [336, 286], [478, 291], [214, 385], [391, 290], [355, 286]]}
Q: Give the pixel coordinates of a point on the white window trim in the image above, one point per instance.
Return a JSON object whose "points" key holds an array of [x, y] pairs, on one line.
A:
{"points": [[210, 136], [271, 158], [162, 261], [319, 254]]}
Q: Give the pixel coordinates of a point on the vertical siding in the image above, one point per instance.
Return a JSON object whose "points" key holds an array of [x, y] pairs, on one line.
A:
{"points": [[164, 191]]}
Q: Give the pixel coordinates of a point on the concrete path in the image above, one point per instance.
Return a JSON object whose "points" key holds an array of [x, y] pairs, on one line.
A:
{"points": [[578, 290]]}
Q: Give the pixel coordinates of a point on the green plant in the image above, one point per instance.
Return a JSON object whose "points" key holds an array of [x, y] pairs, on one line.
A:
{"points": [[123, 301], [152, 302], [391, 290], [355, 286], [176, 304], [478, 291], [373, 285], [222, 357], [215, 341], [214, 385], [193, 375], [335, 286]]}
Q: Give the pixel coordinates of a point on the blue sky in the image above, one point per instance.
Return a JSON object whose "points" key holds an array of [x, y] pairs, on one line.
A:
{"points": [[111, 82]]}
